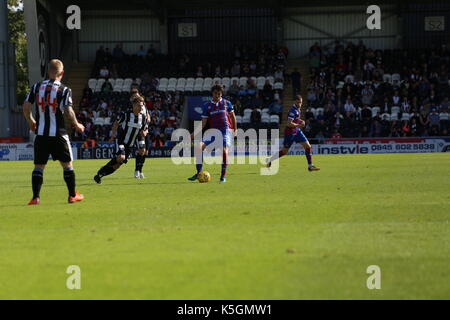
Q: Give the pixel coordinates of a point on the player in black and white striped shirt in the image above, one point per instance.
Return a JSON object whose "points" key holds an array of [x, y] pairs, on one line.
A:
{"points": [[52, 102], [128, 127]]}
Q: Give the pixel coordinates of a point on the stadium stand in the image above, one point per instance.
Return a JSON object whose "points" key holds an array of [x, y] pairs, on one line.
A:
{"points": [[355, 91], [253, 82]]}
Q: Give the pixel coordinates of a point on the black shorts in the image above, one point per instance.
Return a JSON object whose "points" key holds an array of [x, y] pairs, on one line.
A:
{"points": [[122, 149], [58, 147]]}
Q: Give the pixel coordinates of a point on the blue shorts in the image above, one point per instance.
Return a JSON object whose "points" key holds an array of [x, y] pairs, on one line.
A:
{"points": [[289, 139], [227, 139]]}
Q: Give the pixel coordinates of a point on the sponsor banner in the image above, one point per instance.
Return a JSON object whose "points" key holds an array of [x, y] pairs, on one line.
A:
{"points": [[108, 152], [23, 151], [362, 146]]}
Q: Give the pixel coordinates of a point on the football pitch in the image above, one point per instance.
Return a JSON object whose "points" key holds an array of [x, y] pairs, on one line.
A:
{"points": [[294, 235]]}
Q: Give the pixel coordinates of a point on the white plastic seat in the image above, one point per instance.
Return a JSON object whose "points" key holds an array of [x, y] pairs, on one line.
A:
{"points": [[274, 119], [313, 111], [394, 116], [395, 110], [349, 77], [128, 82], [107, 121], [243, 81], [265, 110], [99, 121], [138, 81], [112, 81], [239, 119], [271, 79], [217, 79], [395, 76], [199, 82], [278, 86], [387, 77], [92, 83], [246, 119], [405, 116], [117, 88], [375, 110], [319, 111], [265, 118], [247, 111], [444, 116], [386, 116], [119, 82]]}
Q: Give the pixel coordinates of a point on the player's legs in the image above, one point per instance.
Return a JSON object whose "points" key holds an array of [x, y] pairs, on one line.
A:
{"points": [[308, 153], [198, 159], [115, 163], [140, 159], [227, 139], [287, 143], [69, 178], [41, 154]]}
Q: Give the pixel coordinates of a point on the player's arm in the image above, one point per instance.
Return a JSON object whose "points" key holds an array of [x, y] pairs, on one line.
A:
{"points": [[292, 124], [114, 128], [232, 115], [29, 100], [233, 120], [28, 115], [70, 116]]}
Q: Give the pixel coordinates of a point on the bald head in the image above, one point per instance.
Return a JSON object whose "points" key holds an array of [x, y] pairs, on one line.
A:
{"points": [[55, 69]]}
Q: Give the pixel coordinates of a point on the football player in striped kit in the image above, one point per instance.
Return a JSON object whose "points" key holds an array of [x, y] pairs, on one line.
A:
{"points": [[142, 144], [52, 101], [127, 129]]}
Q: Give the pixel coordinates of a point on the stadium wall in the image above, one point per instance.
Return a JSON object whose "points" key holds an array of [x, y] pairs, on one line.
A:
{"points": [[107, 28], [302, 27], [217, 31], [426, 25]]}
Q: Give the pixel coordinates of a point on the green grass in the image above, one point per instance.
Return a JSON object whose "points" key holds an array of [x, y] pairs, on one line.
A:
{"points": [[295, 235]]}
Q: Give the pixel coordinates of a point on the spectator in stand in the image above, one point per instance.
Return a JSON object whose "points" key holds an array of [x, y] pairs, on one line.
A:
{"points": [[118, 53], [141, 52], [104, 72], [296, 82]]}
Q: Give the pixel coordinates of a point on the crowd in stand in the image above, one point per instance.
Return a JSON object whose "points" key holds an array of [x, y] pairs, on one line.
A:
{"points": [[355, 91], [100, 106]]}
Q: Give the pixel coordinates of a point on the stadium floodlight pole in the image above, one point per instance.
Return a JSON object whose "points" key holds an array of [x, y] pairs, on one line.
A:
{"points": [[5, 96]]}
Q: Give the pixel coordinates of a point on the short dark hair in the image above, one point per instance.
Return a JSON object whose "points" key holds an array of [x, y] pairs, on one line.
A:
{"points": [[298, 97], [217, 87]]}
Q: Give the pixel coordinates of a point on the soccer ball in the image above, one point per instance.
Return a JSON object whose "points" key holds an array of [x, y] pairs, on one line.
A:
{"points": [[204, 177]]}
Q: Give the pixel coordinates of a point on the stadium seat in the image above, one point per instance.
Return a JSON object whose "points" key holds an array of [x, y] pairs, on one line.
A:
{"points": [[119, 82], [375, 110], [107, 121], [265, 110], [405, 116], [92, 84], [99, 121], [394, 116], [387, 78], [226, 81], [217, 80], [128, 82], [246, 119], [117, 88], [247, 112], [278, 86], [444, 116], [239, 119], [243, 81], [313, 111], [350, 78], [234, 79], [274, 119], [265, 118], [395, 76], [319, 111], [271, 79], [386, 116], [138, 81], [395, 110], [112, 81]]}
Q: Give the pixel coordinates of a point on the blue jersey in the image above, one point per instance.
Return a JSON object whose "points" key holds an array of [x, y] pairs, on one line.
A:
{"points": [[294, 114], [217, 114]]}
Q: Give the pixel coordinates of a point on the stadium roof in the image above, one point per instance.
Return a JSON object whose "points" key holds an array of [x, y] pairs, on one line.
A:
{"points": [[186, 4]]}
